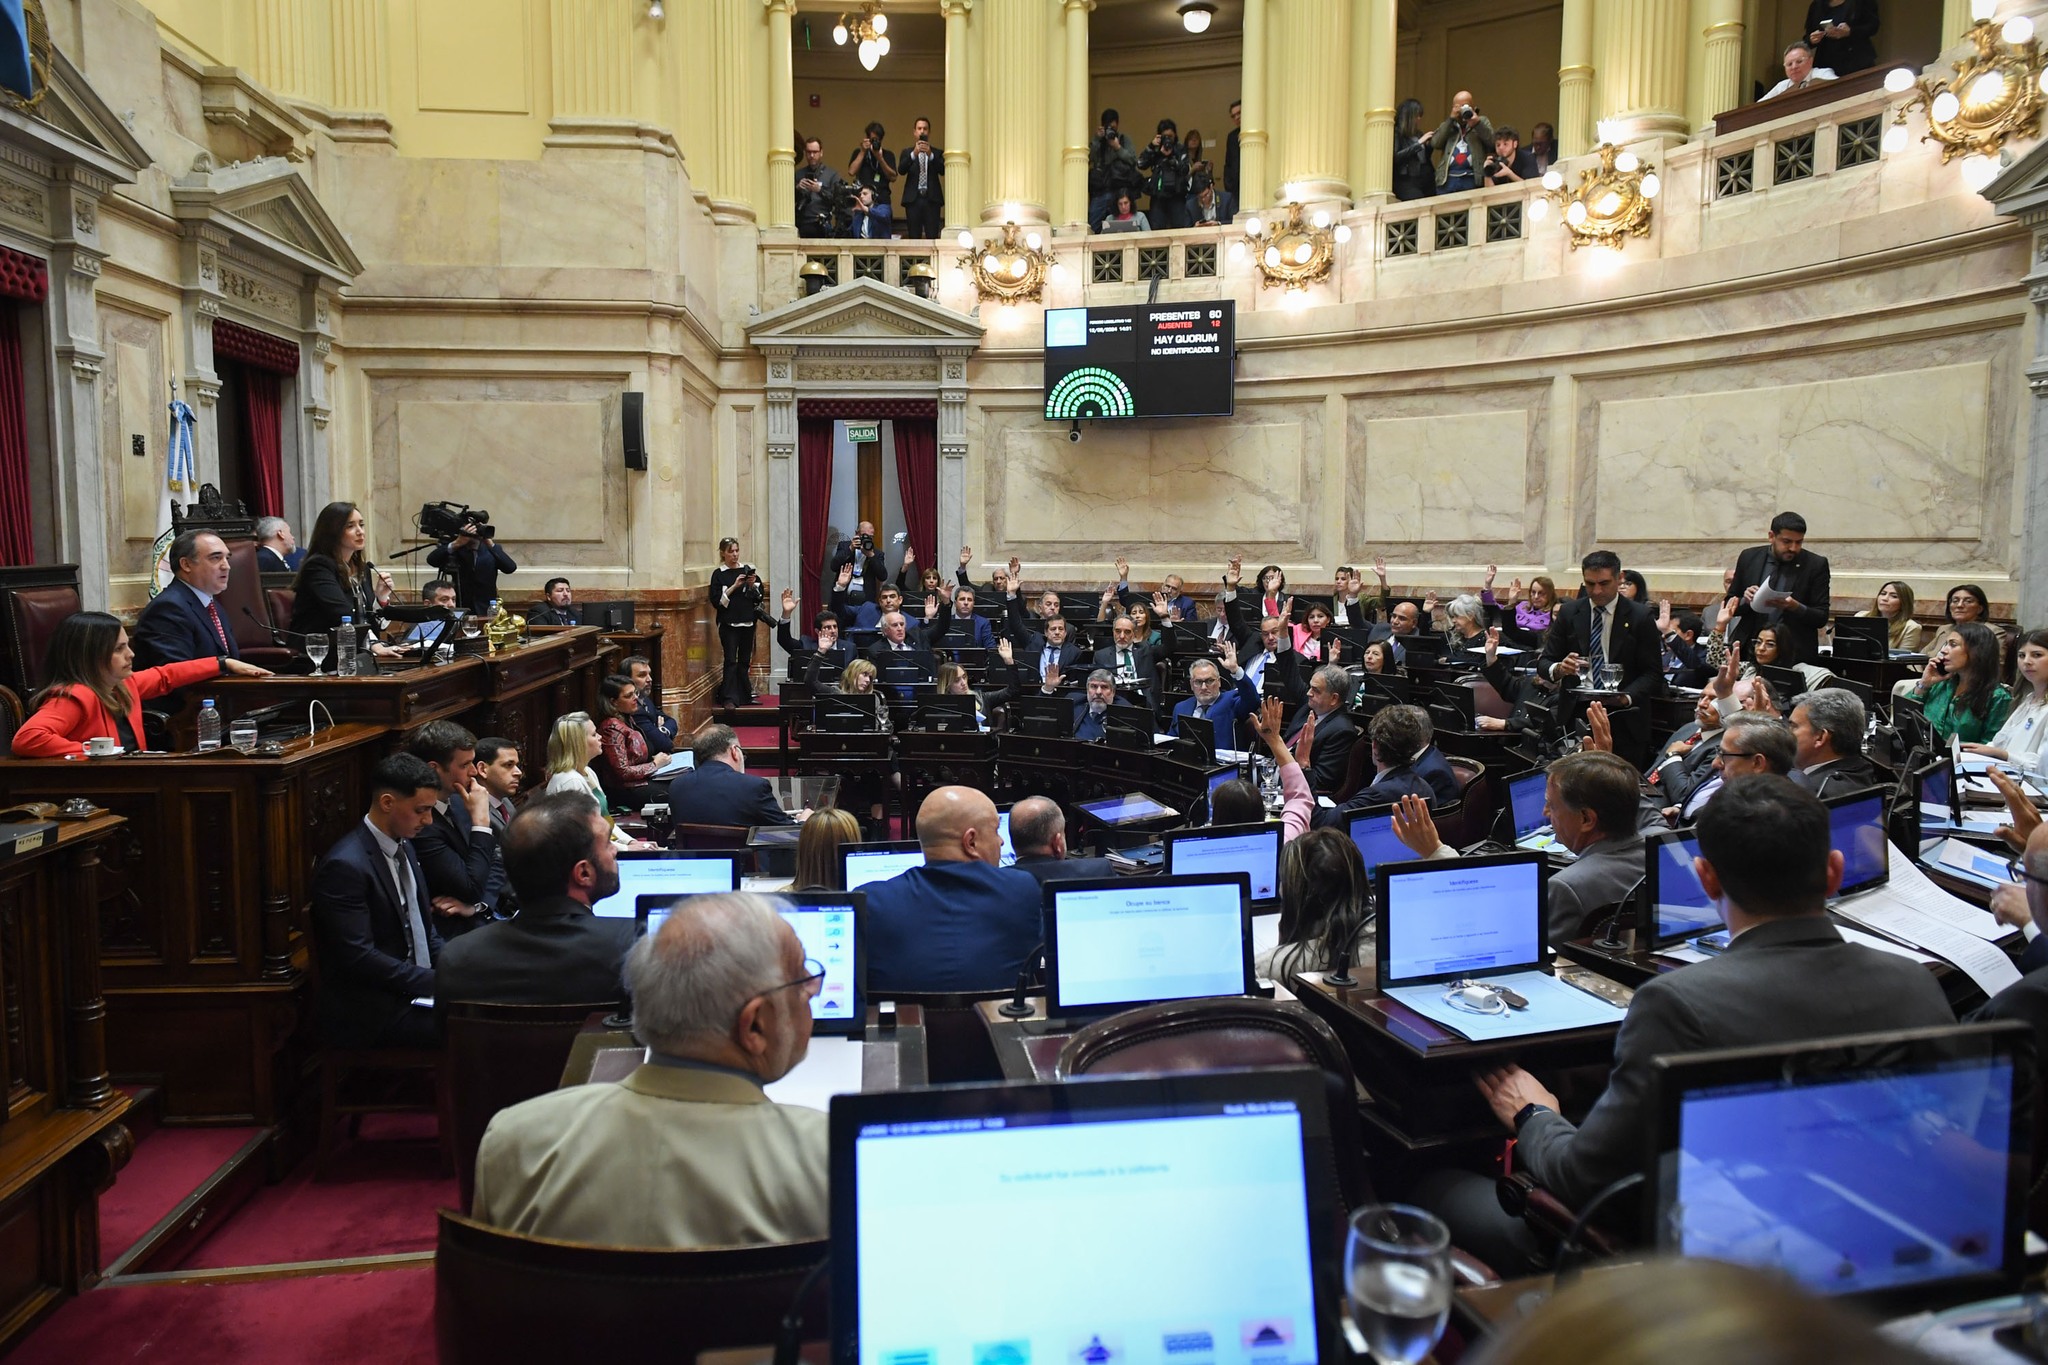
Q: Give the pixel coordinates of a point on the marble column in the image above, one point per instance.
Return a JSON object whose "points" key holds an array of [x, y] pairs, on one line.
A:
{"points": [[1376, 173], [733, 160], [591, 49], [1641, 78], [959, 159], [952, 518], [2030, 206], [1074, 151], [1014, 68], [1575, 80], [361, 81], [781, 120], [73, 313], [1253, 189], [1054, 109], [1955, 22], [1309, 106], [1721, 63]]}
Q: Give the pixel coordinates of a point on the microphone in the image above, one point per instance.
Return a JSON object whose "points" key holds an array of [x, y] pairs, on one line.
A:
{"points": [[276, 635], [1338, 973], [1016, 1007], [1607, 939]]}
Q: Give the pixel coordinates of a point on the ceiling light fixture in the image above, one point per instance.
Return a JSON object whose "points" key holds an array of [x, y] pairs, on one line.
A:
{"points": [[867, 30], [1195, 15]]}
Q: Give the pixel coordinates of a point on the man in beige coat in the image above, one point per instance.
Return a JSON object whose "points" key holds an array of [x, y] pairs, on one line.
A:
{"points": [[687, 1151]]}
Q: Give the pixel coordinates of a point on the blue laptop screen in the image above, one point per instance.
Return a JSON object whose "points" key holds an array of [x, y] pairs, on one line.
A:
{"points": [[1525, 803], [1256, 854], [1849, 1183], [862, 868], [1856, 830], [1457, 917], [1682, 907], [827, 934], [1374, 835], [675, 876]]}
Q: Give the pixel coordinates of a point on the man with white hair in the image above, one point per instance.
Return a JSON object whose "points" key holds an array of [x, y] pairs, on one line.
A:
{"points": [[688, 1150], [277, 550]]}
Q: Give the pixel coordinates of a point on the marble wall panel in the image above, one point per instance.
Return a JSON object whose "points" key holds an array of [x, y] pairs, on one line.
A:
{"points": [[1252, 484], [1447, 477], [134, 380], [533, 465], [1893, 456]]}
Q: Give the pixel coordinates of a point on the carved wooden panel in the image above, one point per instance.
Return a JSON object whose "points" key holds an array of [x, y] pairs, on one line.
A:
{"points": [[210, 833], [133, 881]]}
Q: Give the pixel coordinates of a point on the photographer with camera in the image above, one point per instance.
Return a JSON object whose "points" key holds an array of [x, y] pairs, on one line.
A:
{"points": [[873, 168], [923, 167], [1112, 167], [1509, 162], [869, 566], [736, 592], [819, 191], [469, 553], [1463, 140], [1165, 162]]}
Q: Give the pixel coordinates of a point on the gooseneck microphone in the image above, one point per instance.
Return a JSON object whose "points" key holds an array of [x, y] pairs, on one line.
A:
{"points": [[276, 636], [1016, 1007]]}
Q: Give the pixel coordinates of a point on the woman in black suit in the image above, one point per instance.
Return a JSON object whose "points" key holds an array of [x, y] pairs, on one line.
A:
{"points": [[337, 580]]}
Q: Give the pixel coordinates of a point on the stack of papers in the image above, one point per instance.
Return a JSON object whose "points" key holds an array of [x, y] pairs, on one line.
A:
{"points": [[1553, 1008], [1979, 865], [1914, 911]]}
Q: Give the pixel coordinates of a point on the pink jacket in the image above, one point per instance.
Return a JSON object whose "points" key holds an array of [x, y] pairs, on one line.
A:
{"points": [[1301, 802]]}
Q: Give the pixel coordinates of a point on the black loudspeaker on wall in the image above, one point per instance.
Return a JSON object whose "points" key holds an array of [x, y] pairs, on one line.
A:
{"points": [[631, 406]]}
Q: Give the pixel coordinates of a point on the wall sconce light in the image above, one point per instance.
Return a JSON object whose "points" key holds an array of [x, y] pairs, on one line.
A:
{"points": [[654, 10], [868, 30], [1611, 204], [1997, 94], [815, 277], [1291, 253], [1013, 269], [920, 279]]}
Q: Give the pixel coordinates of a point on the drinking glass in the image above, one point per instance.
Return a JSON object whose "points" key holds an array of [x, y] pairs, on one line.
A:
{"points": [[1397, 1267], [243, 734], [472, 626], [1610, 677], [316, 650]]}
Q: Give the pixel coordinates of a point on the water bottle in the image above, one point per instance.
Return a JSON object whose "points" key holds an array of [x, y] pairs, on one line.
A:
{"points": [[209, 726], [345, 646]]}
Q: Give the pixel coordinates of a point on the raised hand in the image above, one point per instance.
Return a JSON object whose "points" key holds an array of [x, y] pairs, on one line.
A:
{"points": [[1004, 652], [1162, 607], [909, 554], [1664, 624], [966, 555], [1731, 669], [1724, 616], [1429, 603], [1492, 643], [1515, 590], [1123, 569], [1600, 740], [2024, 817], [1108, 596], [1016, 572], [1235, 573], [1052, 678], [1492, 572], [788, 602], [1267, 720], [1379, 567], [1414, 827], [1335, 643], [1230, 656], [931, 608]]}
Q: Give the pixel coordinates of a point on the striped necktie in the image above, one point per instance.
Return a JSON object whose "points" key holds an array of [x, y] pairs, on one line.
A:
{"points": [[1598, 653]]}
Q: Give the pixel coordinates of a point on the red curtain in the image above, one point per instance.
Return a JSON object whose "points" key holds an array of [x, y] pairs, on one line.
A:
{"points": [[866, 409], [917, 482], [17, 531], [814, 504], [233, 341], [263, 422]]}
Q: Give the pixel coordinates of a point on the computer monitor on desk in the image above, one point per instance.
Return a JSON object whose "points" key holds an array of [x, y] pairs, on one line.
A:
{"points": [[1199, 1215], [1856, 830], [1372, 830], [946, 712], [1201, 730], [847, 713], [1251, 849], [1675, 905], [1892, 1168], [1119, 942], [860, 864], [1042, 716], [828, 925], [1527, 795], [1441, 920], [615, 615], [660, 872]]}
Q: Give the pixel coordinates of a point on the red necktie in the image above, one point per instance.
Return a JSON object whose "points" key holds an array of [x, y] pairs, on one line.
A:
{"points": [[219, 629]]}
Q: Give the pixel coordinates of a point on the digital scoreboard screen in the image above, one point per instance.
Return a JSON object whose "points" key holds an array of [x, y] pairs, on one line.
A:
{"points": [[1159, 360]]}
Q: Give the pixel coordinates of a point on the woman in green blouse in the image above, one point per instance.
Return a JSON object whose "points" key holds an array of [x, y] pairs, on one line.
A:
{"points": [[1960, 691]]}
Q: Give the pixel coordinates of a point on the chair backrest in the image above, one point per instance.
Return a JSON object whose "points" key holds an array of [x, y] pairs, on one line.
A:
{"points": [[956, 1042], [11, 717], [1232, 1033], [33, 600], [500, 1296], [245, 591], [280, 601], [499, 1055], [711, 837], [1477, 804], [1358, 769]]}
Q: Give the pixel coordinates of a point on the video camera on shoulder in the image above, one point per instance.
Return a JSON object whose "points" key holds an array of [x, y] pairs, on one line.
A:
{"points": [[446, 520]]}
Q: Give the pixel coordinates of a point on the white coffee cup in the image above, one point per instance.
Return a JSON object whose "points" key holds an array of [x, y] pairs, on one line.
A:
{"points": [[102, 746]]}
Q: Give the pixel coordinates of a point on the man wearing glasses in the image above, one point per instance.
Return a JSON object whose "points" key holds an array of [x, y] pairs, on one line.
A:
{"points": [[1750, 743], [688, 1150]]}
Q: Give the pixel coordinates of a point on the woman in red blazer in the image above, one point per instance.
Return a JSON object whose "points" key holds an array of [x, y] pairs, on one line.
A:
{"points": [[625, 766], [94, 689]]}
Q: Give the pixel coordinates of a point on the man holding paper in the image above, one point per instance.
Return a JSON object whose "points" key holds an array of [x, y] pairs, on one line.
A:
{"points": [[1788, 976], [1785, 586]]}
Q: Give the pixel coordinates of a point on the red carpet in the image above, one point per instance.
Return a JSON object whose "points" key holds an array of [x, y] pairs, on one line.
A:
{"points": [[168, 1165], [380, 1198], [386, 1316], [757, 736]]}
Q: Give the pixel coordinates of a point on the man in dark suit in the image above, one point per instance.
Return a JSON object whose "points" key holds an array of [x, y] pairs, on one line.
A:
{"points": [[1787, 978], [1129, 659], [922, 169], [184, 621], [719, 791], [1038, 832], [557, 606], [277, 550], [1212, 701], [457, 849], [474, 561], [1052, 651], [902, 654], [823, 639], [372, 921], [861, 564], [952, 623], [961, 922], [1397, 734], [558, 855], [1601, 627], [1321, 733], [1090, 710], [655, 725], [498, 769], [1593, 805], [1788, 567], [1828, 726]]}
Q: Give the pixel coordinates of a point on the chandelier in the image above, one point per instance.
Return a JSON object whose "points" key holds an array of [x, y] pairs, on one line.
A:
{"points": [[1611, 204], [868, 29], [1011, 270], [1997, 94], [1291, 253]]}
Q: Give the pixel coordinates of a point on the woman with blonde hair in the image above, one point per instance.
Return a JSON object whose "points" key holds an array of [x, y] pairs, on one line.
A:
{"points": [[1894, 602], [817, 848], [572, 746]]}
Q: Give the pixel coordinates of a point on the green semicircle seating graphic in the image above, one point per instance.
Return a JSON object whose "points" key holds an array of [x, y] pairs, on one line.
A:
{"points": [[1090, 392]]}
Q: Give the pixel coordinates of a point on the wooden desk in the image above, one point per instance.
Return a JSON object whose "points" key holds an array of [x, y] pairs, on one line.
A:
{"points": [[1025, 1054], [61, 1139], [1419, 1073]]}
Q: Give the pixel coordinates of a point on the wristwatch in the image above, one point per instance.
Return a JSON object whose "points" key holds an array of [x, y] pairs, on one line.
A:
{"points": [[1527, 1112]]}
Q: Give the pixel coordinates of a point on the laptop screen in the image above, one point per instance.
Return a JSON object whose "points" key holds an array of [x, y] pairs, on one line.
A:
{"points": [[827, 924], [1220, 776], [1135, 940], [878, 865], [1856, 830], [1525, 802], [657, 873], [1439, 920], [1251, 849], [1196, 1226], [1127, 810], [1003, 836], [1882, 1169], [1374, 835], [1679, 906]]}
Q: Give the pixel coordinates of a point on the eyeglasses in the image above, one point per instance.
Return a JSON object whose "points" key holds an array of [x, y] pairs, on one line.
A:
{"points": [[813, 979], [2017, 870]]}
